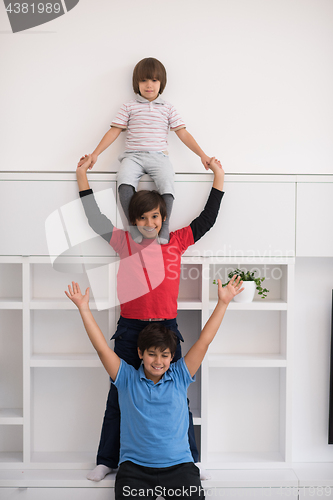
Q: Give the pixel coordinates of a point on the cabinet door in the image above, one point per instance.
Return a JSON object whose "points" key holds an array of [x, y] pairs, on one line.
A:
{"points": [[57, 493], [314, 234], [250, 493], [255, 219], [316, 492], [27, 205]]}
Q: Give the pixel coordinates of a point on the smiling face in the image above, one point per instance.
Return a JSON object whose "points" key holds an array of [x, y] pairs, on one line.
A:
{"points": [[150, 223], [149, 89], [155, 362]]}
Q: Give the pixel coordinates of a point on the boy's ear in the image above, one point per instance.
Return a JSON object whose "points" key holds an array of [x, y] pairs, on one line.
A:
{"points": [[140, 354]]}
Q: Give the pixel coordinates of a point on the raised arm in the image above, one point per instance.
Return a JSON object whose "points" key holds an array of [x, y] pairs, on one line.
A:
{"points": [[208, 216], [196, 354], [97, 221], [110, 136], [191, 143], [109, 358]]}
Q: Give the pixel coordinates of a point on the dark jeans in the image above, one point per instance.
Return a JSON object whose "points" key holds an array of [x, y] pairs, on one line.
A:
{"points": [[126, 337], [178, 481]]}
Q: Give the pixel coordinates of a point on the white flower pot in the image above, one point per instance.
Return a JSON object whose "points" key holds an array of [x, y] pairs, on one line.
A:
{"points": [[248, 293]]}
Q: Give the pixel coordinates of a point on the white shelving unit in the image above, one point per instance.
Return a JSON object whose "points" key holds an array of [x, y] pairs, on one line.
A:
{"points": [[52, 386], [56, 387]]}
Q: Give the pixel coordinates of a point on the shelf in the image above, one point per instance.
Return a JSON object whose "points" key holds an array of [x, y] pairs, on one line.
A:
{"points": [[11, 304], [189, 305], [230, 460], [79, 459], [314, 474], [196, 414], [246, 361], [237, 478], [219, 478], [65, 360], [256, 305], [63, 304], [11, 416], [57, 478], [9, 457]]}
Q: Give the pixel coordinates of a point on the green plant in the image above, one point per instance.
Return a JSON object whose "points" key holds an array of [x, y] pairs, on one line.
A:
{"points": [[248, 276]]}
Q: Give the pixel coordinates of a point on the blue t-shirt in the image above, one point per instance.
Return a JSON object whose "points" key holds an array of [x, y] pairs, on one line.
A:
{"points": [[154, 417]]}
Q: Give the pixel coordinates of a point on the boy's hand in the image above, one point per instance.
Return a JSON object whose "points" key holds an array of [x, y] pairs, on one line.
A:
{"points": [[214, 164], [205, 160], [84, 163], [75, 295], [216, 167], [233, 288], [93, 158]]}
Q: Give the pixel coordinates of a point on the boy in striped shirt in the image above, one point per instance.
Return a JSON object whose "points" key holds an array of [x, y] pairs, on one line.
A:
{"points": [[147, 119]]}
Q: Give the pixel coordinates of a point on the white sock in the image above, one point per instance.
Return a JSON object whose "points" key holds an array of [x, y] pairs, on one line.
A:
{"points": [[203, 473], [99, 472]]}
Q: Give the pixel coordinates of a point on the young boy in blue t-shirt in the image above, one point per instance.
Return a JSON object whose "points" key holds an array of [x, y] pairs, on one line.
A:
{"points": [[155, 458]]}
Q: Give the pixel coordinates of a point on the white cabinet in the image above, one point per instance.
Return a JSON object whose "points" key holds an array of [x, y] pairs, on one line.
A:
{"points": [[53, 386], [58, 393], [316, 492], [256, 218], [314, 235], [57, 493], [246, 375], [37, 213]]}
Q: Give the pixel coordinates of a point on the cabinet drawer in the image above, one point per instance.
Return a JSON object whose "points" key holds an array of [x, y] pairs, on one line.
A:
{"points": [[255, 219], [57, 493], [28, 204], [314, 236], [252, 493], [316, 492]]}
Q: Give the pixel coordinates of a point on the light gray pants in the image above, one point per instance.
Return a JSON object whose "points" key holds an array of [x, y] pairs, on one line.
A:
{"points": [[134, 164]]}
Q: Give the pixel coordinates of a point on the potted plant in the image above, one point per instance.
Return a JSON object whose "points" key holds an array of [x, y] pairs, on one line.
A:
{"points": [[250, 284]]}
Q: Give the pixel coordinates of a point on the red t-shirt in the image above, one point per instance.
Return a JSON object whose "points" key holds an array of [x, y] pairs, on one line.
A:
{"points": [[149, 274]]}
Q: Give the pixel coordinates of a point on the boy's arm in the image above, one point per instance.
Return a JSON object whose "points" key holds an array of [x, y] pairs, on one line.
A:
{"points": [[109, 358], [191, 143], [110, 136], [207, 218], [196, 354], [97, 221]]}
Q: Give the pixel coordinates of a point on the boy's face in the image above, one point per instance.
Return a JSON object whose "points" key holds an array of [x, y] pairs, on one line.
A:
{"points": [[149, 89], [155, 362], [150, 223]]}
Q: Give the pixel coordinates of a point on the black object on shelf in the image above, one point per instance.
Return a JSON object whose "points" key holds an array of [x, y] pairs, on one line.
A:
{"points": [[330, 422]]}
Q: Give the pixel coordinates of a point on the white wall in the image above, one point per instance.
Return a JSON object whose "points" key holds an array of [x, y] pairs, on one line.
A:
{"points": [[252, 79]]}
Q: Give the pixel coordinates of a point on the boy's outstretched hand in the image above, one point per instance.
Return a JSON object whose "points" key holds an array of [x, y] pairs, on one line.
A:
{"points": [[75, 295], [85, 163], [214, 164], [93, 158], [205, 160], [228, 292]]}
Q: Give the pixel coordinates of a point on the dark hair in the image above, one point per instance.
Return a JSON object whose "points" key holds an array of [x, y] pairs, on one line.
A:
{"points": [[150, 69], [156, 335], [144, 201]]}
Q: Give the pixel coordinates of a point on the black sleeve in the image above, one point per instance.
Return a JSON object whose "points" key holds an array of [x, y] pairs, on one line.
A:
{"points": [[97, 221], [208, 216]]}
